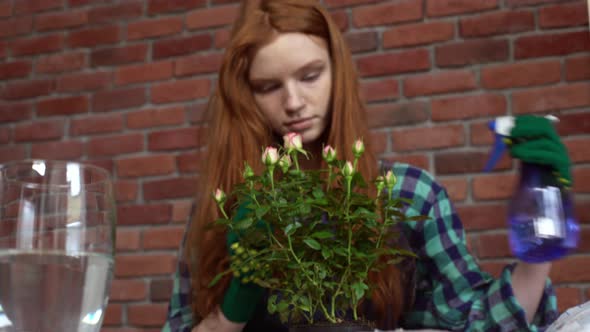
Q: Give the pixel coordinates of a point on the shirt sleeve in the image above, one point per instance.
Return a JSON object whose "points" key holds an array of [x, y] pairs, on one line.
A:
{"points": [[454, 293], [180, 316]]}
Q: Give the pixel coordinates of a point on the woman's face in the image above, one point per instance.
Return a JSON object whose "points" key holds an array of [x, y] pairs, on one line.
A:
{"points": [[291, 80]]}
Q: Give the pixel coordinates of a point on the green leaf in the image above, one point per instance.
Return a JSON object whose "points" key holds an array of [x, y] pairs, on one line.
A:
{"points": [[313, 244], [216, 280], [244, 224], [359, 289], [261, 211], [322, 235], [326, 253], [290, 229], [318, 193]]}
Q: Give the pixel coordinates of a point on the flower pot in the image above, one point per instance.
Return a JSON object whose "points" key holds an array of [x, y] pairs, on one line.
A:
{"points": [[327, 327]]}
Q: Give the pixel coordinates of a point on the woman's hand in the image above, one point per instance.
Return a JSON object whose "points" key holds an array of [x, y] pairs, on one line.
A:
{"points": [[217, 322]]}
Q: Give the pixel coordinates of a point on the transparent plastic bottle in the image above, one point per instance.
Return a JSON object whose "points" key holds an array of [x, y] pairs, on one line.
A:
{"points": [[542, 223]]}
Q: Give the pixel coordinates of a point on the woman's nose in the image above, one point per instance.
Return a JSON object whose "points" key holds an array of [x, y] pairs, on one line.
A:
{"points": [[294, 100]]}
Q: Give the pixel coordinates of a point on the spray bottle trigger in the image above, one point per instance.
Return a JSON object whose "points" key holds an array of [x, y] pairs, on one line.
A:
{"points": [[496, 153]]}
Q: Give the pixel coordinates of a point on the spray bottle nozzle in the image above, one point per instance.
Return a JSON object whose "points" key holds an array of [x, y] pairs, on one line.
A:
{"points": [[502, 126]]}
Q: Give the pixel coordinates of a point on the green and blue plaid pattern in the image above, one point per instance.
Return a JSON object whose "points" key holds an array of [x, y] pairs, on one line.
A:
{"points": [[452, 292]]}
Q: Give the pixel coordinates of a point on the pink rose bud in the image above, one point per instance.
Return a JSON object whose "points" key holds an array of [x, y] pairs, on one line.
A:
{"points": [[329, 154], [219, 196], [292, 141], [270, 156], [358, 148], [390, 180], [348, 169]]}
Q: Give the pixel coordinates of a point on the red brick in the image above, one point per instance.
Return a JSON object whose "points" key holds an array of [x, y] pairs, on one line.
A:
{"points": [[380, 90], [443, 82], [394, 63], [362, 41], [529, 74], [150, 118], [522, 3], [570, 269], [402, 11], [480, 134], [493, 245], [428, 138], [574, 124], [466, 162], [497, 186], [198, 64], [127, 239], [126, 191], [456, 188], [16, 26], [147, 315], [551, 98], [154, 28], [379, 142], [112, 13], [37, 45], [182, 138], [340, 18], [106, 164], [119, 55], [168, 6], [113, 145], [551, 44], [144, 214], [162, 238], [419, 160], [61, 62], [15, 112], [5, 8], [128, 290], [211, 17], [155, 71], [181, 211], [347, 3], [144, 265], [56, 21], [2, 49], [388, 115], [483, 216], [181, 46], [418, 34], [12, 153], [118, 99], [467, 107], [94, 36], [31, 6], [62, 106], [15, 69], [577, 68], [63, 150], [113, 314], [565, 15], [454, 7], [472, 52], [160, 290], [84, 81], [39, 130], [581, 180], [183, 187], [5, 135], [497, 23], [221, 38], [197, 113], [27, 89], [568, 297], [190, 162], [180, 90], [578, 149], [146, 166], [101, 124]]}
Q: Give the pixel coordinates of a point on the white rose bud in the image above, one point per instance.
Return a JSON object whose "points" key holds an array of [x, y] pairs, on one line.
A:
{"points": [[219, 196], [390, 180], [348, 169], [329, 154], [292, 141], [285, 163], [270, 156], [358, 148]]}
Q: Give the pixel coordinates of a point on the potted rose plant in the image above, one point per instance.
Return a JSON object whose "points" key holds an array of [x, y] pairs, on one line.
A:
{"points": [[312, 237]]}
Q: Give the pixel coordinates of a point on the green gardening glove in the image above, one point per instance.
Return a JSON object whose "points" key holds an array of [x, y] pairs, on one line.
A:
{"points": [[242, 295], [534, 140]]}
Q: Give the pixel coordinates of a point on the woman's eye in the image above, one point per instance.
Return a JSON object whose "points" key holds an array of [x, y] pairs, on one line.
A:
{"points": [[267, 88], [310, 77]]}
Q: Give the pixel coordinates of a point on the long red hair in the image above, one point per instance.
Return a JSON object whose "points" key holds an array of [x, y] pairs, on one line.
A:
{"points": [[237, 131]]}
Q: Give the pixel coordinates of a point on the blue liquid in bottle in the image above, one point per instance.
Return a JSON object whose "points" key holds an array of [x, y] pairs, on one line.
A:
{"points": [[542, 225]]}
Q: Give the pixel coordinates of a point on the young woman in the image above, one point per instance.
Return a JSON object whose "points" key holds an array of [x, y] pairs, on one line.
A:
{"points": [[287, 69]]}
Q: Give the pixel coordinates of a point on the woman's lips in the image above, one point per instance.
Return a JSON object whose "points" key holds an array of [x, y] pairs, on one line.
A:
{"points": [[300, 125]]}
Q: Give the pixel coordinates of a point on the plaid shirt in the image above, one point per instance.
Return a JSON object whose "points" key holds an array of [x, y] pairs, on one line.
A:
{"points": [[452, 292]]}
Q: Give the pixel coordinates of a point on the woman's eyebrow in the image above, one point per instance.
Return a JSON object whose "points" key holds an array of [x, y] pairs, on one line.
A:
{"points": [[313, 64]]}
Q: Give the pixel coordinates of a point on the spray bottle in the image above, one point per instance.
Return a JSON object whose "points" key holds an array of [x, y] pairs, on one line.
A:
{"points": [[542, 226]]}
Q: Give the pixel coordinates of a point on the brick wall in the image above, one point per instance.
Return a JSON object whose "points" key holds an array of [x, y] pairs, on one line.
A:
{"points": [[122, 84]]}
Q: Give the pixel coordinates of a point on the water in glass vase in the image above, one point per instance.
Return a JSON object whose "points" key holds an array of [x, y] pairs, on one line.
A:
{"points": [[43, 291]]}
